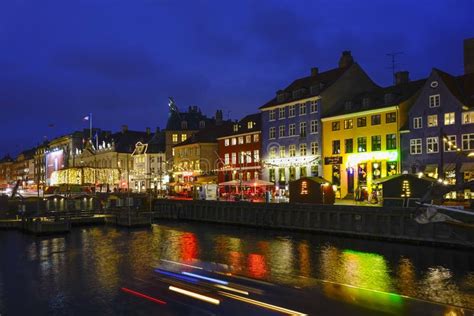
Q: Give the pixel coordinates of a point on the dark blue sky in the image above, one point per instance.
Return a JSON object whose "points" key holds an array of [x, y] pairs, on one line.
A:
{"points": [[121, 59]]}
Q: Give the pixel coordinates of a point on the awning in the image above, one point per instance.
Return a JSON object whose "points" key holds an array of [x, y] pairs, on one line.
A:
{"points": [[230, 183], [430, 168], [467, 166], [449, 167], [258, 183]]}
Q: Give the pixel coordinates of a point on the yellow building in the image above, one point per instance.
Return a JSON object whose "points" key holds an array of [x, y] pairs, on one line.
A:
{"points": [[361, 143]]}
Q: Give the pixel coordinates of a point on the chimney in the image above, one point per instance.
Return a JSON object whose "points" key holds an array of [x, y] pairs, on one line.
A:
{"points": [[148, 131], [401, 77], [219, 117], [469, 56], [124, 128], [314, 71], [346, 59], [157, 129]]}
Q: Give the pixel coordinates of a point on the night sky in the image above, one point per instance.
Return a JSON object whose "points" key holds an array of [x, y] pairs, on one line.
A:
{"points": [[121, 59]]}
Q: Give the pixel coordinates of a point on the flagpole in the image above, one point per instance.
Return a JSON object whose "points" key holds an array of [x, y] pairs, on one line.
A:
{"points": [[90, 126]]}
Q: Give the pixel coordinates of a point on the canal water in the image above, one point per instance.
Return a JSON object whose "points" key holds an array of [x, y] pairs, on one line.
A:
{"points": [[82, 272]]}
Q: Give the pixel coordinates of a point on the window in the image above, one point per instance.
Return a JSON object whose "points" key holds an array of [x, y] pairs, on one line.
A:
{"points": [[468, 117], [273, 151], [467, 141], [250, 125], [183, 137], [415, 146], [361, 144], [432, 120], [391, 141], [313, 106], [202, 124], [292, 130], [175, 138], [272, 133], [417, 122], [226, 159], [303, 149], [375, 119], [256, 155], [255, 138], [349, 145], [281, 131], [449, 118], [348, 124], [291, 111], [248, 139], [336, 147], [272, 175], [234, 141], [376, 143], [282, 152], [234, 158], [314, 148], [281, 113], [303, 129], [271, 115], [434, 101], [391, 117], [184, 124], [302, 109], [248, 155], [242, 157], [314, 126], [236, 127], [292, 151], [432, 145], [450, 143], [361, 121], [241, 140], [226, 142], [336, 126]]}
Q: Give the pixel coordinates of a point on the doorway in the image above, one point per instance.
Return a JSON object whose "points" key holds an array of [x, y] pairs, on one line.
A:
{"points": [[350, 180]]}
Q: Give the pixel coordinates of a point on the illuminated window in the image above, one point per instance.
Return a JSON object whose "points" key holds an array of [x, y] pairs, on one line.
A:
{"points": [[281, 113], [348, 124], [336, 147], [361, 121], [183, 137], [434, 101], [271, 133], [349, 145], [432, 120], [417, 122], [255, 138], [303, 129], [292, 129], [272, 175], [241, 140], [450, 144], [175, 138], [314, 148], [302, 109], [250, 125], [226, 142], [467, 141], [226, 159], [292, 173], [256, 155], [234, 141], [376, 143], [234, 158], [375, 119], [415, 146], [242, 157], [291, 111], [282, 152], [303, 172], [361, 144], [292, 150], [272, 153], [236, 127], [314, 126], [281, 131], [313, 106], [281, 174], [391, 141], [336, 126], [449, 118], [248, 139], [271, 114], [248, 156], [303, 149], [432, 145], [391, 117], [468, 117]]}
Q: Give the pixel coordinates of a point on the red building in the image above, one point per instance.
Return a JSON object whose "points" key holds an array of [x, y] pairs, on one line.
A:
{"points": [[240, 151]]}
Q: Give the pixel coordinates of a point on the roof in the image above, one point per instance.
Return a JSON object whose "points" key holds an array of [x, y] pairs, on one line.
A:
{"points": [[462, 87], [125, 141], [320, 82], [157, 143], [192, 117], [6, 158], [29, 153], [404, 175], [377, 98], [243, 126], [208, 135]]}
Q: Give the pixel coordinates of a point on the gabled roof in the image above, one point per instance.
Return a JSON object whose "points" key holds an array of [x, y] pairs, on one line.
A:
{"points": [[208, 135], [321, 81], [462, 87], [377, 98], [243, 126]]}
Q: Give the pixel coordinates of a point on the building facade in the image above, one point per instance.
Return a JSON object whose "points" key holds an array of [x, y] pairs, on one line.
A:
{"points": [[6, 176], [240, 151], [291, 122], [361, 140]]}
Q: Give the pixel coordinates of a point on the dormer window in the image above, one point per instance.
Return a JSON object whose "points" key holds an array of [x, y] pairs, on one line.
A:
{"points": [[250, 125], [202, 124], [314, 90], [184, 124], [365, 103], [280, 97], [348, 105], [388, 98], [236, 127]]}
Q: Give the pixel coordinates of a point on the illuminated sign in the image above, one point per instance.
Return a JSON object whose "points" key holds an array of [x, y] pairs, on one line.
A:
{"points": [[334, 160], [354, 159], [304, 187], [292, 161]]}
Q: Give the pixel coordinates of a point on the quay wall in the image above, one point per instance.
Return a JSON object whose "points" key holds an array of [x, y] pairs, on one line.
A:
{"points": [[394, 224]]}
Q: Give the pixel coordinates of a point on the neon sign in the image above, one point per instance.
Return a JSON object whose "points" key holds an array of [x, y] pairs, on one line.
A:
{"points": [[354, 159]]}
